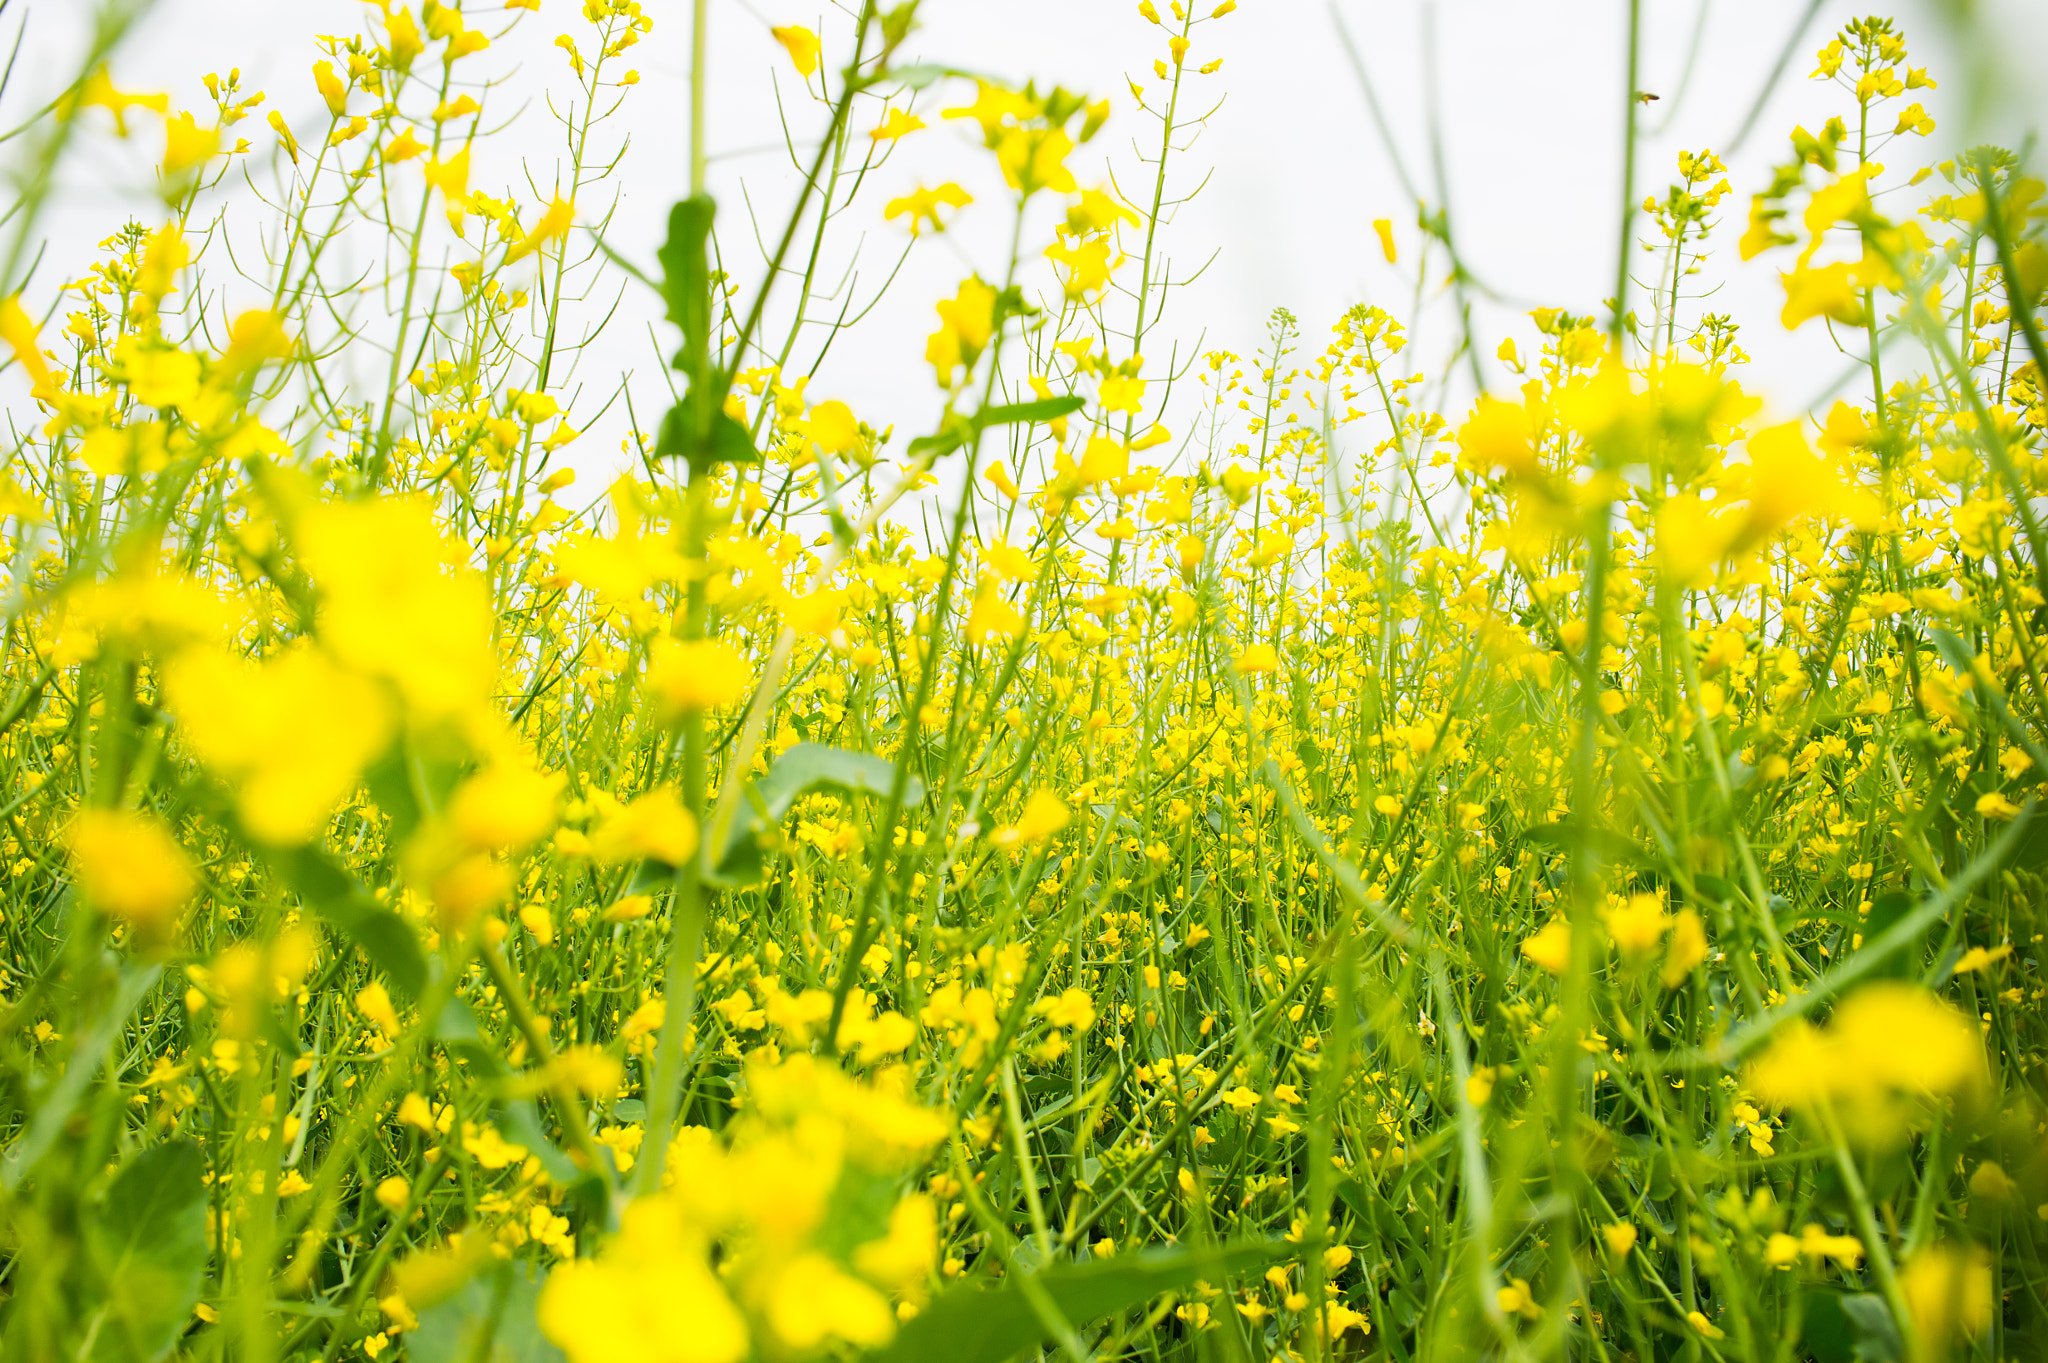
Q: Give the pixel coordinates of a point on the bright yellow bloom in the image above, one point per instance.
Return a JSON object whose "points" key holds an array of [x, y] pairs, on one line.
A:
{"points": [[801, 44]]}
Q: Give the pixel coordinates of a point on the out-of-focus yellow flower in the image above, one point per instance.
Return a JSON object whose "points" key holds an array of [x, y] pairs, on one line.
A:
{"points": [[922, 205], [1886, 1044], [897, 123], [187, 145], [553, 225], [801, 44], [1551, 946], [129, 866], [966, 322], [1636, 925], [1044, 815], [1384, 227], [1950, 1290], [97, 91], [650, 1295], [689, 676], [290, 734], [655, 826]]}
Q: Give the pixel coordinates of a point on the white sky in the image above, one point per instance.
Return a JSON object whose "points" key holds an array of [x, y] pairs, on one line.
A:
{"points": [[1527, 93]]}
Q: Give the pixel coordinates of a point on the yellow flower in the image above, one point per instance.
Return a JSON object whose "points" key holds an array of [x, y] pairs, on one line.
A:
{"points": [[128, 865], [373, 1001], [1044, 815], [1637, 925], [504, 807], [1620, 1238], [187, 145], [392, 606], [922, 205], [1384, 227], [18, 331], [1072, 1009], [1121, 393], [833, 427], [650, 1297], [1994, 805], [966, 322], [553, 225], [1952, 1294], [897, 123], [97, 91], [393, 1193], [1886, 1041], [689, 676], [290, 734], [813, 1301], [1257, 660], [1496, 436], [1687, 948], [1551, 946], [802, 46], [655, 826], [992, 616], [331, 88], [403, 147]]}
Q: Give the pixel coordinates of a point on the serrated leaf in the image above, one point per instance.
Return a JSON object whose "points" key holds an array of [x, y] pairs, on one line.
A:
{"points": [[973, 1323], [147, 1242]]}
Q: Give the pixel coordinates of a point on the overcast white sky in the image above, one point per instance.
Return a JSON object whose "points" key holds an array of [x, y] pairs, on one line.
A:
{"points": [[1526, 94]]}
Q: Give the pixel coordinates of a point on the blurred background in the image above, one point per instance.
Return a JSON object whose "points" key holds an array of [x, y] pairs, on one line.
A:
{"points": [[1518, 101]]}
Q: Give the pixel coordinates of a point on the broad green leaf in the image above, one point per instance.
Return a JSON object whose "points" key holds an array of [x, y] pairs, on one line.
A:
{"points": [[801, 769], [147, 1241], [973, 1323], [730, 442], [489, 1319]]}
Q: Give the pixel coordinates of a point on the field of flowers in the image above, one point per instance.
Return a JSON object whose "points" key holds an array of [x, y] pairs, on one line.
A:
{"points": [[1255, 868]]}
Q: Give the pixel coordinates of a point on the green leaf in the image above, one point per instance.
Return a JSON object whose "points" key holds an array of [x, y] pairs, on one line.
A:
{"points": [[1043, 409], [730, 442], [489, 1319], [986, 1324], [937, 446], [339, 898], [799, 770], [1886, 911], [1848, 1327], [147, 1242], [918, 76], [686, 274]]}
